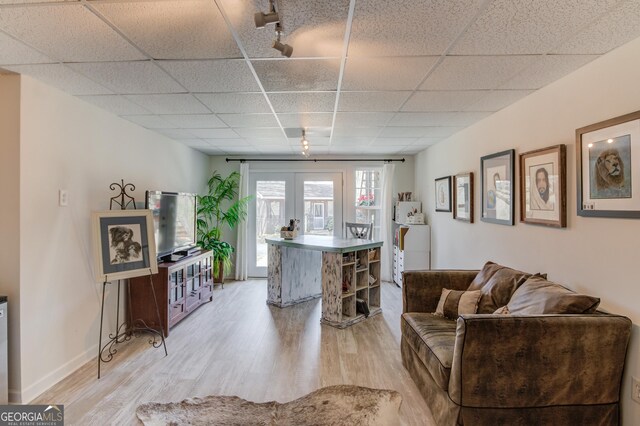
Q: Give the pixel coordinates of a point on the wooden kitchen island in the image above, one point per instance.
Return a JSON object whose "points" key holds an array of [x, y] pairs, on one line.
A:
{"points": [[340, 270]]}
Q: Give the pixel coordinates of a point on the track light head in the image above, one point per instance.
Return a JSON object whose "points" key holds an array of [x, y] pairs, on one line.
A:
{"points": [[262, 19], [284, 49]]}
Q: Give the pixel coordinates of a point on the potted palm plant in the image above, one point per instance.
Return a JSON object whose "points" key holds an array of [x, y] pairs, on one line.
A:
{"points": [[220, 208]]}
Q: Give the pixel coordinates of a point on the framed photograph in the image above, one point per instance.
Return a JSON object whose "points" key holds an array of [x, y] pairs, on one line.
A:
{"points": [[443, 194], [543, 188], [497, 187], [463, 197], [123, 244], [608, 166]]}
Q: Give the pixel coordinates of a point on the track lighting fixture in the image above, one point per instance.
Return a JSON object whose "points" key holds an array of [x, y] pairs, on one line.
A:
{"points": [[262, 19], [284, 49], [305, 144]]}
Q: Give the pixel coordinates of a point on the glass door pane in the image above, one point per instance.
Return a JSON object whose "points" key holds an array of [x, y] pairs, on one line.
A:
{"points": [[271, 209], [319, 203]]}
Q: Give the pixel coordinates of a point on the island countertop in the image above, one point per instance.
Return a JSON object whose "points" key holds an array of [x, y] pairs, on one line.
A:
{"points": [[326, 243]]}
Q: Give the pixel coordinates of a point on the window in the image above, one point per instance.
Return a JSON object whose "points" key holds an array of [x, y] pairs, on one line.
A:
{"points": [[368, 197]]}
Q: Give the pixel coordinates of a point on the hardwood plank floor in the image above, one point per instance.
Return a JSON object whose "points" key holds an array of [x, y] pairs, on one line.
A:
{"points": [[239, 345]]}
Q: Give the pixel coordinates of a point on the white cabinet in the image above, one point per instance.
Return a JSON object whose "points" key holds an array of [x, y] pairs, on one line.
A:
{"points": [[411, 250]]}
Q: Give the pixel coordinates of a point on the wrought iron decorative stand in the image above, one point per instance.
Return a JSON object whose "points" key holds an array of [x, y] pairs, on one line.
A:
{"points": [[125, 331]]}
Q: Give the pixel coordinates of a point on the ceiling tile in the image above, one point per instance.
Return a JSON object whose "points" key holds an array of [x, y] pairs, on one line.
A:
{"points": [[317, 119], [194, 121], [547, 69], [411, 150], [14, 52], [475, 72], [177, 134], [356, 132], [68, 33], [249, 120], [130, 77], [235, 149], [196, 143], [393, 141], [210, 151], [265, 132], [385, 149], [363, 119], [372, 101], [440, 132], [347, 149], [498, 99], [235, 102], [150, 121], [402, 132], [214, 133], [118, 105], [359, 141], [452, 119], [621, 25], [407, 28], [170, 104], [450, 100], [386, 73], [427, 141], [222, 75], [315, 28], [510, 27], [298, 74], [303, 101], [222, 142], [62, 77], [174, 29], [274, 149], [258, 142]]}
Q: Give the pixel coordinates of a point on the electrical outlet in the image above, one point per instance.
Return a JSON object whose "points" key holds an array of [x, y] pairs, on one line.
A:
{"points": [[635, 389], [63, 198]]}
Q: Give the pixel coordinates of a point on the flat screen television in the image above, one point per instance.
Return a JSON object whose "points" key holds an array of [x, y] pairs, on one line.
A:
{"points": [[174, 220]]}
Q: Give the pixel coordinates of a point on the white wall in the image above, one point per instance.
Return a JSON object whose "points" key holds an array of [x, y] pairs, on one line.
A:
{"points": [[69, 144], [596, 256], [403, 179], [10, 213]]}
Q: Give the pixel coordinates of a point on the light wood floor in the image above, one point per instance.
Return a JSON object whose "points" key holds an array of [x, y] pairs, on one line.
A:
{"points": [[238, 345]]}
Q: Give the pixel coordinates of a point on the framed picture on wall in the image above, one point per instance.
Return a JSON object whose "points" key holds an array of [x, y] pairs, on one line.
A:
{"points": [[443, 194], [463, 197], [608, 166], [497, 187], [123, 244], [543, 189]]}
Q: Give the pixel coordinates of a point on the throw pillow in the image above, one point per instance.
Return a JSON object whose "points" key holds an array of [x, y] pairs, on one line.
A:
{"points": [[538, 296], [454, 303], [497, 284]]}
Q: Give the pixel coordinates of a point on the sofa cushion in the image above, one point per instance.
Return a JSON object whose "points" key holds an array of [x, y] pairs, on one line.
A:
{"points": [[497, 283], [454, 303], [538, 296], [432, 338]]}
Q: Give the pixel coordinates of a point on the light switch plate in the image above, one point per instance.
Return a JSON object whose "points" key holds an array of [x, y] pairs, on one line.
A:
{"points": [[635, 389]]}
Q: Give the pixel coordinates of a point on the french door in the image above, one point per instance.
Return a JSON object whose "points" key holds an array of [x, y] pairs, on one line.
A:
{"points": [[314, 198]]}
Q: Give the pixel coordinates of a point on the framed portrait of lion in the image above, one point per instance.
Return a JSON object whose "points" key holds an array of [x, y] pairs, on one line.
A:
{"points": [[124, 244], [608, 166]]}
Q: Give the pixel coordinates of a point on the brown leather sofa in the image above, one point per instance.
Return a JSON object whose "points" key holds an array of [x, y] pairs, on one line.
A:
{"points": [[491, 369]]}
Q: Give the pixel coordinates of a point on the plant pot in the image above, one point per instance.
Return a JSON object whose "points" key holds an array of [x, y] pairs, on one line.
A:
{"points": [[219, 277]]}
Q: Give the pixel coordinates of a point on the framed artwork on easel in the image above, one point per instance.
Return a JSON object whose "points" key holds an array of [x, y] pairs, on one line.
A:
{"points": [[124, 244]]}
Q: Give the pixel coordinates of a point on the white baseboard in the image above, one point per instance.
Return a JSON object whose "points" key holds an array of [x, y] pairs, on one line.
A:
{"points": [[32, 391]]}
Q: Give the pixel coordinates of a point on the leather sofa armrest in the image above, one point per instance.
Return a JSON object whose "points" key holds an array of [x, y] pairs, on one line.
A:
{"points": [[538, 361], [421, 289]]}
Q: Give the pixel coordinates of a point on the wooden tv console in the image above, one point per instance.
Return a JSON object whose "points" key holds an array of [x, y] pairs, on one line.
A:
{"points": [[180, 287]]}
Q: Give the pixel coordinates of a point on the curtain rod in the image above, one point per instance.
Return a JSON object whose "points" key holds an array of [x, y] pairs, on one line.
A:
{"points": [[315, 160]]}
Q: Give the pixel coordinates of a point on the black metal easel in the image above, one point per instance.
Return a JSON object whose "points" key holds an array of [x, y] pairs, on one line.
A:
{"points": [[125, 331]]}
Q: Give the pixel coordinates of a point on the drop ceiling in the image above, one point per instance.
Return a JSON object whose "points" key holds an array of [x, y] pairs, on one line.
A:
{"points": [[383, 77]]}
